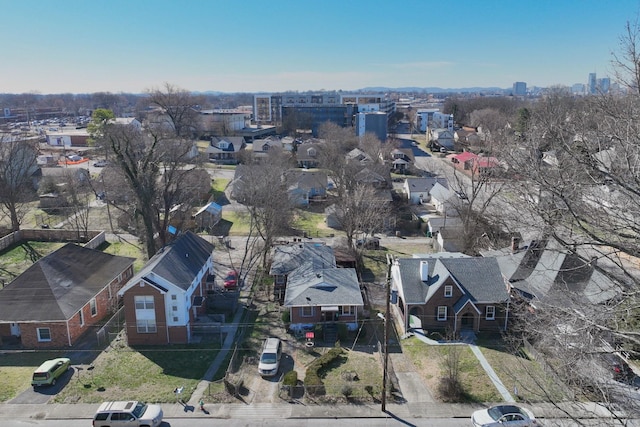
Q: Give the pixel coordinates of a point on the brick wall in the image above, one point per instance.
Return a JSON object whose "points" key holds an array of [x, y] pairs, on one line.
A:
{"points": [[58, 335], [133, 337]]}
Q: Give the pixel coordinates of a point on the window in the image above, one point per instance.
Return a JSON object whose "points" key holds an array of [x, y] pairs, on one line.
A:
{"points": [[145, 314], [280, 279], [347, 310], [448, 291], [306, 311], [144, 302], [146, 326], [94, 307], [174, 297], [175, 319], [44, 334], [81, 318], [442, 312], [491, 313], [174, 308]]}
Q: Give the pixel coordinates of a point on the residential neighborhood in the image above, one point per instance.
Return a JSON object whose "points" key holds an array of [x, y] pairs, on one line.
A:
{"points": [[309, 240]]}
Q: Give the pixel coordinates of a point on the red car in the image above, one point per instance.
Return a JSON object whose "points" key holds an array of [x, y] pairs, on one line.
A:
{"points": [[231, 280]]}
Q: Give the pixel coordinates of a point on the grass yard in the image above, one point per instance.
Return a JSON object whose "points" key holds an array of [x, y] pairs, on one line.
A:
{"points": [[238, 223], [366, 368], [428, 360], [16, 370], [218, 185], [313, 223], [521, 372], [18, 258], [126, 249], [376, 262], [150, 375]]}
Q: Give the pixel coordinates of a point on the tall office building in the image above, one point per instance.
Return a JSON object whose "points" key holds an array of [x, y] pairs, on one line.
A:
{"points": [[520, 88], [592, 85]]}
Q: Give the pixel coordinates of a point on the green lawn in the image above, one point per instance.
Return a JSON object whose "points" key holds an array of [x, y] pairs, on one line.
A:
{"points": [[218, 185], [18, 258], [313, 223], [126, 249], [150, 374], [239, 222], [16, 370], [428, 360], [519, 372]]}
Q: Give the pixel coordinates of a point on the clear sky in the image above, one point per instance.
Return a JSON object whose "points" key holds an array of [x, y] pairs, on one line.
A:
{"points": [[81, 46]]}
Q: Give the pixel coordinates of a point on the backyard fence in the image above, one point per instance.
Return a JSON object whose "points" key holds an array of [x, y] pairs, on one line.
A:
{"points": [[112, 328]]}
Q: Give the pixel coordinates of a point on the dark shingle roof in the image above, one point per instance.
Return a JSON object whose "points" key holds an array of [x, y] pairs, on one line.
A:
{"points": [[59, 284], [287, 258], [480, 278], [181, 261]]}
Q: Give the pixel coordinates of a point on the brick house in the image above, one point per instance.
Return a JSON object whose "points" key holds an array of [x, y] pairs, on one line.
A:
{"points": [[450, 292], [313, 288], [62, 296], [166, 297]]}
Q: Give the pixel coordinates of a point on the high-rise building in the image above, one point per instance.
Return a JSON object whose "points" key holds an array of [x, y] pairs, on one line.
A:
{"points": [[520, 88], [592, 85], [604, 85]]}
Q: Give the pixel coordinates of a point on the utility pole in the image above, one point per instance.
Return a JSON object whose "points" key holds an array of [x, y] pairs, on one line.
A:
{"points": [[387, 318]]}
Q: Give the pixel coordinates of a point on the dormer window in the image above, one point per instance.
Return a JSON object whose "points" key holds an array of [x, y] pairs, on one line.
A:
{"points": [[311, 152], [448, 291]]}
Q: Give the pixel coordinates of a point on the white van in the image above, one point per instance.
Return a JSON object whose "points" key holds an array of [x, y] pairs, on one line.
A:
{"points": [[270, 357]]}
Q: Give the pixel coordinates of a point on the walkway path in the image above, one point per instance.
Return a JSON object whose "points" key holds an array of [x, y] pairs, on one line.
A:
{"points": [[506, 396], [230, 331]]}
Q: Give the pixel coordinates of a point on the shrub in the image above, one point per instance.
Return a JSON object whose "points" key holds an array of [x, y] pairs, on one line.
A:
{"points": [[290, 378], [312, 381], [346, 391], [286, 317]]}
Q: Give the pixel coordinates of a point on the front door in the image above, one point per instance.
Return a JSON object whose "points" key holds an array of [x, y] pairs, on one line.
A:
{"points": [[15, 330], [467, 321]]}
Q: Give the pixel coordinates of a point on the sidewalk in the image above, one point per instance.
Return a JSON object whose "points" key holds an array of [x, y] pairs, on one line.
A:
{"points": [[296, 411]]}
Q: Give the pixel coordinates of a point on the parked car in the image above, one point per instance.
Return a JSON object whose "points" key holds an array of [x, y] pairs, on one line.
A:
{"points": [[231, 280], [270, 357], [130, 413], [49, 372], [100, 163], [503, 416]]}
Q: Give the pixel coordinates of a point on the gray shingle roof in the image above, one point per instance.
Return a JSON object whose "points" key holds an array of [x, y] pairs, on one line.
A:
{"points": [[181, 261], [59, 284], [479, 277], [329, 286], [287, 258]]}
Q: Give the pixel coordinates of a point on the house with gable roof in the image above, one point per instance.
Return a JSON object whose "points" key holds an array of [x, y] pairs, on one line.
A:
{"points": [[286, 258], [165, 298], [225, 150], [62, 296], [450, 291]]}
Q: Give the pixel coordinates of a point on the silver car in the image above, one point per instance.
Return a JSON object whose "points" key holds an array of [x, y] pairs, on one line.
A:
{"points": [[130, 413]]}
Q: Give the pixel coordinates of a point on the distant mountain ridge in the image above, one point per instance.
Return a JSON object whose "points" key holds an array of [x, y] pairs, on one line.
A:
{"points": [[432, 89]]}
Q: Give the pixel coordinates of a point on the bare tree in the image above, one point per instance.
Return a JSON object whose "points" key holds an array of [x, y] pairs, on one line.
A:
{"points": [[18, 163], [79, 194], [263, 188], [179, 106], [626, 62]]}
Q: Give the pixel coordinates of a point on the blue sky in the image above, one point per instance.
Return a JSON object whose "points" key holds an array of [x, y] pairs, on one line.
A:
{"points": [[79, 46]]}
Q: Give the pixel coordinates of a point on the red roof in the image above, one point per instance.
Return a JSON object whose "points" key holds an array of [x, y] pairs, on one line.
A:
{"points": [[487, 162], [466, 156]]}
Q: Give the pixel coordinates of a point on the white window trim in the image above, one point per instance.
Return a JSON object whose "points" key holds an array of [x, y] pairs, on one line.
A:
{"points": [[302, 309], [146, 329], [347, 310], [448, 291], [40, 339], [439, 317], [81, 317], [93, 307], [490, 314]]}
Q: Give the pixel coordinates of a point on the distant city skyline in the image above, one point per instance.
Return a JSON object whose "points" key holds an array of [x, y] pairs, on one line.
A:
{"points": [[77, 46]]}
